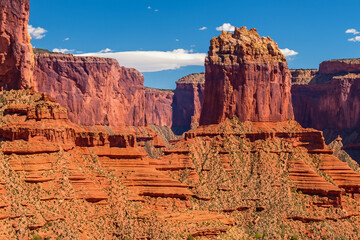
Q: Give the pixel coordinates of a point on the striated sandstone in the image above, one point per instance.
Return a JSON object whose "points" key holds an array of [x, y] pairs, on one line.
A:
{"points": [[246, 76], [16, 63]]}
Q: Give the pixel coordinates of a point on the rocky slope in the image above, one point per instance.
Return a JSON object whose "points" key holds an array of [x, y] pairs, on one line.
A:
{"points": [[246, 76], [15, 48], [93, 90], [187, 102]]}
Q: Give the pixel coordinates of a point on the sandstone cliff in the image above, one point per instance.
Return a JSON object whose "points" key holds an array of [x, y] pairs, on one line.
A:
{"points": [[187, 102], [158, 110], [15, 48], [94, 90], [340, 66], [331, 101], [246, 76]]}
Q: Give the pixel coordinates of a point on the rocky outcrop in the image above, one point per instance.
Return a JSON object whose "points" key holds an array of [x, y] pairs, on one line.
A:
{"points": [[246, 76], [158, 110], [302, 76], [15, 48], [93, 90], [187, 102]]}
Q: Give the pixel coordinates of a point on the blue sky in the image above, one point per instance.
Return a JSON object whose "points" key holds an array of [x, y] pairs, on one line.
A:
{"points": [[315, 29]]}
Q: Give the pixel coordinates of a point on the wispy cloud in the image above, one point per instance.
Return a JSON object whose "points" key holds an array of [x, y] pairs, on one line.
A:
{"points": [[154, 61], [226, 27], [288, 52], [202, 28], [354, 39], [67, 39], [62, 50], [352, 30], [36, 32]]}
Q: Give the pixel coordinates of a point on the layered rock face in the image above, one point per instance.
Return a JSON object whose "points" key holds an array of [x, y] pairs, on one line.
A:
{"points": [[94, 90], [15, 48], [187, 102], [302, 76], [331, 101], [246, 76], [158, 110]]}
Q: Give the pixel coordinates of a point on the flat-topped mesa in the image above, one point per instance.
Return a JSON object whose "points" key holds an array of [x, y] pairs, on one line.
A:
{"points": [[94, 90], [338, 66], [246, 76], [16, 63]]}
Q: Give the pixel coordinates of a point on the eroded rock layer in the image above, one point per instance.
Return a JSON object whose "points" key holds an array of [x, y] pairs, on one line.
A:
{"points": [[246, 76], [15, 48]]}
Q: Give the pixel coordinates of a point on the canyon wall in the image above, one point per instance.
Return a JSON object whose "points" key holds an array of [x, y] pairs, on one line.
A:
{"points": [[246, 76], [158, 110], [94, 90], [331, 101], [15, 47], [187, 102]]}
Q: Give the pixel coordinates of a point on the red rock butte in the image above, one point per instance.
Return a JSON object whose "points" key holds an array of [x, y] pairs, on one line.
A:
{"points": [[246, 76]]}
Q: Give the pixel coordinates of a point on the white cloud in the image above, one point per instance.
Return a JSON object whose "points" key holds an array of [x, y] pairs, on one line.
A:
{"points": [[226, 27], [106, 50], [66, 39], [177, 40], [156, 10], [352, 30], [149, 7], [154, 61], [36, 32], [354, 39], [288, 52], [202, 28], [63, 50]]}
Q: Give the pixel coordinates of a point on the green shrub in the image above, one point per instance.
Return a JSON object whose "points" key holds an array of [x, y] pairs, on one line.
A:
{"points": [[294, 237], [258, 236], [190, 237]]}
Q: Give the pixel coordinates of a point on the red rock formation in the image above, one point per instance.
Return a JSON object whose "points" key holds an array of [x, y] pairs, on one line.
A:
{"points": [[302, 76], [187, 102], [158, 110], [332, 105], [94, 90], [246, 76], [337, 66], [15, 48]]}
